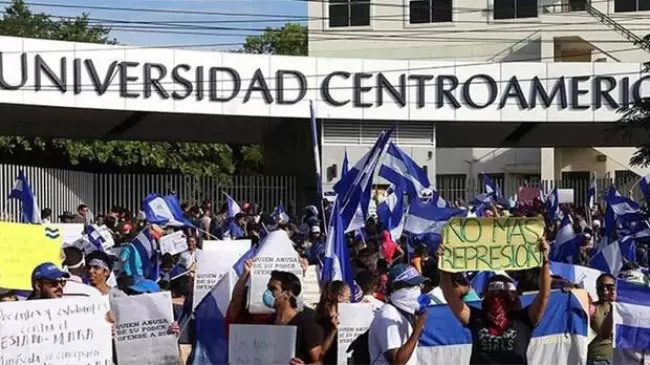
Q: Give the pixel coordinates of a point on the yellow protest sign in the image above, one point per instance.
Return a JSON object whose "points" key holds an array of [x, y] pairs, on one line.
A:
{"points": [[22, 248], [488, 244]]}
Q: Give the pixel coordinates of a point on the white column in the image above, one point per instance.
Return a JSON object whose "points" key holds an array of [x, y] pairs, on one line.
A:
{"points": [[547, 168]]}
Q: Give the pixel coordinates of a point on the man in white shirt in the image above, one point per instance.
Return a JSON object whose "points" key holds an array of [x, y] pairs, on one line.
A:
{"points": [[394, 332], [367, 281]]}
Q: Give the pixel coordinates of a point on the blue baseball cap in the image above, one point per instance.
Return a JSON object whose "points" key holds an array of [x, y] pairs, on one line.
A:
{"points": [[142, 286], [402, 273], [48, 271]]}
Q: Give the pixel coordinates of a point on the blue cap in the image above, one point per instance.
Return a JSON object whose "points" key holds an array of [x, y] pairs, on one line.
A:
{"points": [[142, 286], [402, 273], [48, 271]]}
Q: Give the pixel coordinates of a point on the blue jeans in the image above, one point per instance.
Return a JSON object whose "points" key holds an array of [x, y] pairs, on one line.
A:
{"points": [[599, 362]]}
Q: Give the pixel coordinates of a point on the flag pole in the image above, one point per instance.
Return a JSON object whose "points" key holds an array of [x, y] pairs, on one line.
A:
{"points": [[317, 162]]}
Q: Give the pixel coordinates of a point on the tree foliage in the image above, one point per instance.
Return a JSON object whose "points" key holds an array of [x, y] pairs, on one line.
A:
{"points": [[191, 158], [289, 40], [635, 124]]}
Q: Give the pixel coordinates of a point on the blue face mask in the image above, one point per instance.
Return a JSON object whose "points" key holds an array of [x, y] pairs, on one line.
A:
{"points": [[268, 299]]}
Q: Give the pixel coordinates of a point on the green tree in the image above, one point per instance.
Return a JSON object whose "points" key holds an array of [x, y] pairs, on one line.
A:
{"points": [[289, 40], [191, 158], [634, 125]]}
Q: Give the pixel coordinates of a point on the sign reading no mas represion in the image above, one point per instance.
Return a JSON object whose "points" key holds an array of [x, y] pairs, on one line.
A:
{"points": [[488, 244]]}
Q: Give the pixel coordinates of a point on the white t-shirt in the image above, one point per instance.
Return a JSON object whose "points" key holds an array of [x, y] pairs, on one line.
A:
{"points": [[389, 330], [376, 303], [437, 297]]}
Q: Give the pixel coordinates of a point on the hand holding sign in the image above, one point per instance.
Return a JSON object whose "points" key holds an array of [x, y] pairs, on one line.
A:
{"points": [[489, 244]]}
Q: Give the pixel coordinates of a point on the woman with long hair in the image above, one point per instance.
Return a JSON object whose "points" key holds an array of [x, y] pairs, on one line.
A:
{"points": [[501, 329], [333, 293]]}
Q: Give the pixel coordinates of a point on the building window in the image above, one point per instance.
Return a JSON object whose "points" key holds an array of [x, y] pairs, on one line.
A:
{"points": [[515, 9], [349, 13], [626, 6], [430, 11], [452, 187]]}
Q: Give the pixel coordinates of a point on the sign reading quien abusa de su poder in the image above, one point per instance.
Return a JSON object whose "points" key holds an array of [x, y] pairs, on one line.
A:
{"points": [[289, 86], [489, 244]]}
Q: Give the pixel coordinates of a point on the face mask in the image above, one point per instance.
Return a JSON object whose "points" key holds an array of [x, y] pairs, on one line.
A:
{"points": [[268, 299], [407, 299]]}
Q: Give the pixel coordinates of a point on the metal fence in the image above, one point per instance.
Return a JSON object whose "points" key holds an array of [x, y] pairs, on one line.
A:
{"points": [[63, 190], [457, 187]]}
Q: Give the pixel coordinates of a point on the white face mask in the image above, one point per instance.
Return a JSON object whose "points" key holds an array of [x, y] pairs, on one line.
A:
{"points": [[407, 299]]}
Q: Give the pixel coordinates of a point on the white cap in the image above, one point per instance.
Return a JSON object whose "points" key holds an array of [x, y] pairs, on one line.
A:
{"points": [[315, 229]]}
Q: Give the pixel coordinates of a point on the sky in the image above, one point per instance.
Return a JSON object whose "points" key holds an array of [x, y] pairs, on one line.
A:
{"points": [[207, 14]]}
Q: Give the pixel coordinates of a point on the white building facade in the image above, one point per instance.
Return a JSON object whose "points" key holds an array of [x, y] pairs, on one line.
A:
{"points": [[481, 32]]}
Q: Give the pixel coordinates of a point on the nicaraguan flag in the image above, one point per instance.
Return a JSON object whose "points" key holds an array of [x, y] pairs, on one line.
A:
{"points": [[344, 165], [426, 217], [337, 264], [645, 187], [164, 211], [559, 338], [233, 207], [145, 246], [566, 247], [22, 191], [279, 215], [611, 258], [591, 193], [354, 189], [632, 316], [391, 212], [211, 338], [398, 168], [95, 237], [578, 274], [552, 205]]}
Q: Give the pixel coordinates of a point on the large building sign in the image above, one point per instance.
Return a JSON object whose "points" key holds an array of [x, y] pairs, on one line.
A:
{"points": [[345, 88]]}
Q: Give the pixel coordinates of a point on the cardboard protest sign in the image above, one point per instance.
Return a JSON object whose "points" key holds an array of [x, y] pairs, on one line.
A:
{"points": [[142, 326], [71, 331], [489, 244], [23, 247], [275, 253], [173, 244], [213, 265], [354, 320], [261, 344]]}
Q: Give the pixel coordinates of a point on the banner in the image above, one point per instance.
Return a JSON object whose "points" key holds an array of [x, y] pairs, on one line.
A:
{"points": [[214, 264], [490, 244], [354, 320], [71, 331], [22, 248], [142, 324]]}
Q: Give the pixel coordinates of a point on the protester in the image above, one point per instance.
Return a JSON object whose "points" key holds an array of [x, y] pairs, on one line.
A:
{"points": [[501, 330], [600, 350], [7, 296], [367, 281], [74, 263], [333, 293], [281, 295], [48, 282], [389, 249], [98, 270], [394, 332]]}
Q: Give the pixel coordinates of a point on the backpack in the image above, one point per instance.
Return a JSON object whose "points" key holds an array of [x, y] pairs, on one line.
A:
{"points": [[359, 347]]}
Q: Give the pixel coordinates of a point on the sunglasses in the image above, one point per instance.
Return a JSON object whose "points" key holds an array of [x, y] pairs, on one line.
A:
{"points": [[60, 282]]}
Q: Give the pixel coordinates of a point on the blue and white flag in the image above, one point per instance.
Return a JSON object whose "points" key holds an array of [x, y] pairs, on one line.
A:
{"points": [[566, 247], [559, 338], [145, 246], [391, 212], [164, 211], [338, 263], [645, 187], [398, 168], [279, 215], [426, 217], [95, 237], [211, 346], [354, 189], [552, 205], [344, 164], [591, 193], [632, 316], [577, 274], [610, 259], [233, 207], [22, 191]]}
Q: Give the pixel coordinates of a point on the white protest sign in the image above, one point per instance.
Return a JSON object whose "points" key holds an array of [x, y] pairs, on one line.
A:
{"points": [[75, 289], [565, 196], [354, 320], [261, 344], [210, 244], [70, 232], [70, 331], [109, 242], [174, 243], [275, 253], [311, 286], [213, 264], [142, 326]]}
